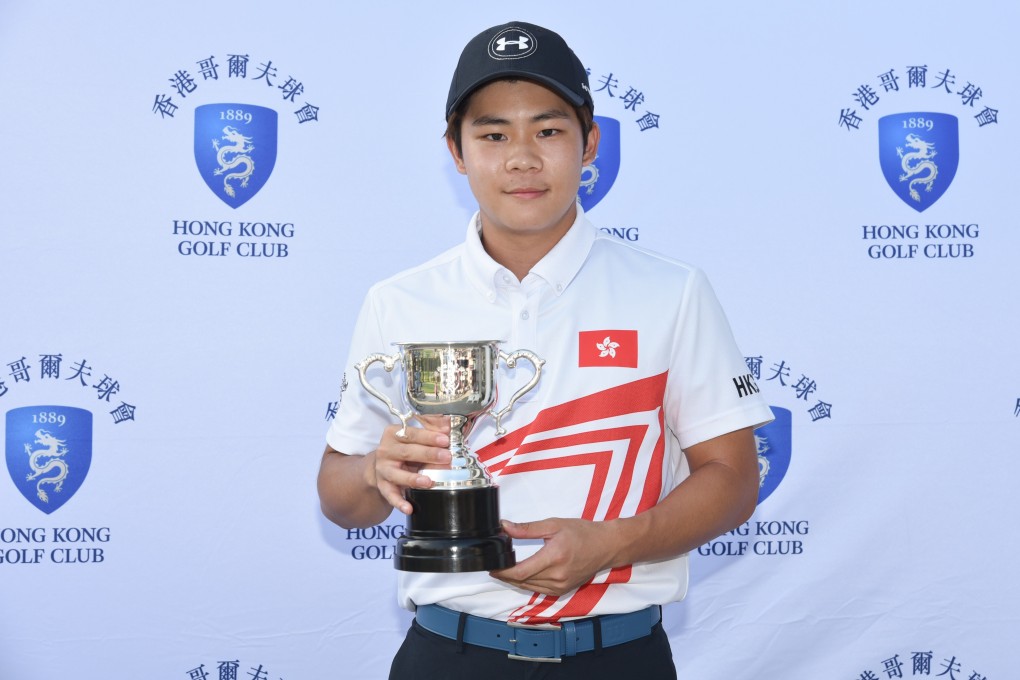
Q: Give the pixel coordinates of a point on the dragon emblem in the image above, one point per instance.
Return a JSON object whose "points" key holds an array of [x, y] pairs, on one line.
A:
{"points": [[763, 463], [588, 182], [233, 155], [53, 449], [917, 162]]}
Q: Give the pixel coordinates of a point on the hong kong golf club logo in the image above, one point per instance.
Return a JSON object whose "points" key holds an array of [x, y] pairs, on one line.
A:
{"points": [[774, 443], [49, 450], [919, 153], [598, 177], [235, 149]]}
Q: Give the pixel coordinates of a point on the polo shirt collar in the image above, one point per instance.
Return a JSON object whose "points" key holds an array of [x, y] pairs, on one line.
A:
{"points": [[558, 268]]}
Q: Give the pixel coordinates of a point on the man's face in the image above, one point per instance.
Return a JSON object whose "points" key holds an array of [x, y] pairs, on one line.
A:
{"points": [[522, 151]]}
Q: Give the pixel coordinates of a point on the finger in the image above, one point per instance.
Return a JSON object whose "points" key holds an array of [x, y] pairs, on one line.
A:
{"points": [[434, 423], [395, 497], [514, 530], [539, 529], [524, 571], [415, 456], [417, 435], [536, 585], [418, 447], [400, 477], [545, 581]]}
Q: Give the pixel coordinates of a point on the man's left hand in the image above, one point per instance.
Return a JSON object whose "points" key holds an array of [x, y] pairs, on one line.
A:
{"points": [[574, 551]]}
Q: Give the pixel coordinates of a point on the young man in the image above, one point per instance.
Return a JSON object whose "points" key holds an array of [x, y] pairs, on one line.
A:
{"points": [[635, 447]]}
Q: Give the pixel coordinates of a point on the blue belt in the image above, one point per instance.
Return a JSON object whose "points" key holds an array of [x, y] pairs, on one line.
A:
{"points": [[539, 642]]}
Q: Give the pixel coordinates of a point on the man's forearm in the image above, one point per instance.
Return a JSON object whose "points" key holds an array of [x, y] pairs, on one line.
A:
{"points": [[718, 496], [345, 495]]}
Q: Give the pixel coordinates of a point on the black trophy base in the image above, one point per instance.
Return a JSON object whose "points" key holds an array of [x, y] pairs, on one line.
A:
{"points": [[454, 530]]}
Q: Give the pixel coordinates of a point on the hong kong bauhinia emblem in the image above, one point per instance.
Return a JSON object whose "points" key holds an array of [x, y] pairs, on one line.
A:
{"points": [[49, 451], [235, 149]]}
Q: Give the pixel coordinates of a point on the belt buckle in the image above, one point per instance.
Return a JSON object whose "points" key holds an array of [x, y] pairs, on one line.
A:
{"points": [[534, 626]]}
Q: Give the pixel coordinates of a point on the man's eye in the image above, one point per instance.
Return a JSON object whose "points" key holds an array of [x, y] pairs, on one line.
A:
{"points": [[548, 133], [495, 136]]}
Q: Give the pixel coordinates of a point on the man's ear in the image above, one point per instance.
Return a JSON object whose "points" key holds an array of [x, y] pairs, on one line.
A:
{"points": [[458, 160], [591, 145]]}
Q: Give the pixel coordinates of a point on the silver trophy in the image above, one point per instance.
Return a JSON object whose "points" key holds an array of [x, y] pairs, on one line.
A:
{"points": [[455, 524]]}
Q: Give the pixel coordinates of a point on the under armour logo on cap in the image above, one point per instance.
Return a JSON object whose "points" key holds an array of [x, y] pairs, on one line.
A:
{"points": [[521, 43], [512, 43]]}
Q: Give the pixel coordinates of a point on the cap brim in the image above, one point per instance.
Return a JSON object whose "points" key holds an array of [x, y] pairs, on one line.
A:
{"points": [[553, 85]]}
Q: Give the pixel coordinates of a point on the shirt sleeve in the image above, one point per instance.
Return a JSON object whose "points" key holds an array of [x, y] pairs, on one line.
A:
{"points": [[360, 417], [710, 391]]}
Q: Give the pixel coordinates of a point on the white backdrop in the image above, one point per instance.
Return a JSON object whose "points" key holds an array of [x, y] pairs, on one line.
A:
{"points": [[194, 548]]}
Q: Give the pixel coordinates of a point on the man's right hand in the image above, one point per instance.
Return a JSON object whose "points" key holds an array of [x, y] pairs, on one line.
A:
{"points": [[398, 461]]}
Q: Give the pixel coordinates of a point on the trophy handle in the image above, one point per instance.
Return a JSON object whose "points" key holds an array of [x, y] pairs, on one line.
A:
{"points": [[388, 362], [511, 361]]}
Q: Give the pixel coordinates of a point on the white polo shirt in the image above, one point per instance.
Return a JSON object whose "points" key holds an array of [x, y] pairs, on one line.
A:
{"points": [[640, 364]]}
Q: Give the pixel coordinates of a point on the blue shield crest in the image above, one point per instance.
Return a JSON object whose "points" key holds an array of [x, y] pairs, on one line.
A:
{"points": [[49, 451], [774, 450], [598, 178], [235, 149], [919, 152]]}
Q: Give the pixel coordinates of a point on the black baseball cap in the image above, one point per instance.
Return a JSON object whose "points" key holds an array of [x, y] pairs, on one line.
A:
{"points": [[520, 50]]}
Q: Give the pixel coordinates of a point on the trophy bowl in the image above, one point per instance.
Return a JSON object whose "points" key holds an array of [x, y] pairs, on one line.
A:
{"points": [[454, 525]]}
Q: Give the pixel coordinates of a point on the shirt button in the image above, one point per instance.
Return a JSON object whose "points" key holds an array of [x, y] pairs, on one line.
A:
{"points": [[559, 287], [525, 315]]}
